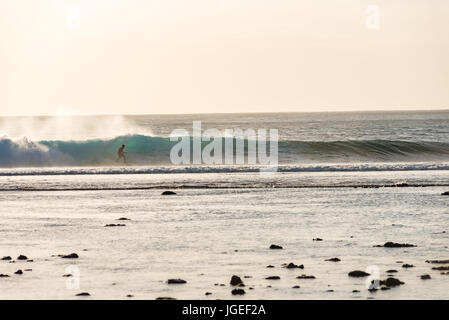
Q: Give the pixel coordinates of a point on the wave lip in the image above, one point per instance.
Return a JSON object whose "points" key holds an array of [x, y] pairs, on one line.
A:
{"points": [[145, 150]]}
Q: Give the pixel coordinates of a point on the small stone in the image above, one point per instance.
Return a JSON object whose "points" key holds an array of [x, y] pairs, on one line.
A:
{"points": [[392, 271], [6, 258], [165, 298], [129, 296], [303, 276], [70, 256], [408, 266], [28, 270], [446, 193], [396, 245], [176, 281], [83, 294], [270, 266], [358, 274], [3, 275], [440, 268], [21, 257], [275, 247], [123, 219], [18, 272], [273, 278], [168, 193], [385, 288], [296, 287], [355, 291], [115, 225], [426, 277], [391, 282], [291, 265], [238, 291], [208, 293], [317, 239], [333, 259], [438, 261], [68, 275], [236, 281]]}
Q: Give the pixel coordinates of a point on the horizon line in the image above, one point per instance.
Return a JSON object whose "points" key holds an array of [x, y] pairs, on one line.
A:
{"points": [[224, 113]]}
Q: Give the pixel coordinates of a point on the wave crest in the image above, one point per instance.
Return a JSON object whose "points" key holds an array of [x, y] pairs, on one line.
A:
{"points": [[148, 150]]}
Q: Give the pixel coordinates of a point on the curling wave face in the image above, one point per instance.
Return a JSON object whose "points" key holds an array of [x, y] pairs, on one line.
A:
{"points": [[150, 151]]}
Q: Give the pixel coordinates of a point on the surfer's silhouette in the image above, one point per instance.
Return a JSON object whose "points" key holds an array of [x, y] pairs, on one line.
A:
{"points": [[121, 153]]}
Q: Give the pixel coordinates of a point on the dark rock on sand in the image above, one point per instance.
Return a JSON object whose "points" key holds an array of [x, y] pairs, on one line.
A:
{"points": [[176, 281], [296, 287], [165, 298], [275, 246], [385, 288], [6, 258], [303, 276], [208, 293], [21, 257], [129, 296], [30, 260], [395, 245], [270, 266], [408, 266], [18, 272], [123, 219], [317, 239], [291, 265], [355, 291], [446, 193], [28, 270], [441, 268], [390, 282], [445, 273], [115, 225], [426, 277], [238, 291], [330, 290], [358, 274], [273, 278], [168, 193], [247, 277], [68, 275], [83, 294], [392, 271], [236, 281], [70, 256], [3, 275], [438, 261], [333, 259]]}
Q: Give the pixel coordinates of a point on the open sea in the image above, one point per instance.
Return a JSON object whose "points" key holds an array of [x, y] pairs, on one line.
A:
{"points": [[352, 179]]}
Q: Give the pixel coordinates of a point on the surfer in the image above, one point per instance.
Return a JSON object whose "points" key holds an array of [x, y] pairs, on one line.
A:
{"points": [[121, 153]]}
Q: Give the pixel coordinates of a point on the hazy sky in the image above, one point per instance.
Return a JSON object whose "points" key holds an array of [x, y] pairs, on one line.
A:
{"points": [[189, 56]]}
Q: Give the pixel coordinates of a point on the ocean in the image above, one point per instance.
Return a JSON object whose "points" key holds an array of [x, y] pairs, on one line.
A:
{"points": [[352, 179]]}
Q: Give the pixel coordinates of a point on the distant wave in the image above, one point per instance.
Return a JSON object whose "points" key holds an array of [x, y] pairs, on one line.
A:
{"points": [[147, 150]]}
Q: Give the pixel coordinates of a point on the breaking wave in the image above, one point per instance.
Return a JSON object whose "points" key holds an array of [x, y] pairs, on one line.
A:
{"points": [[146, 150]]}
